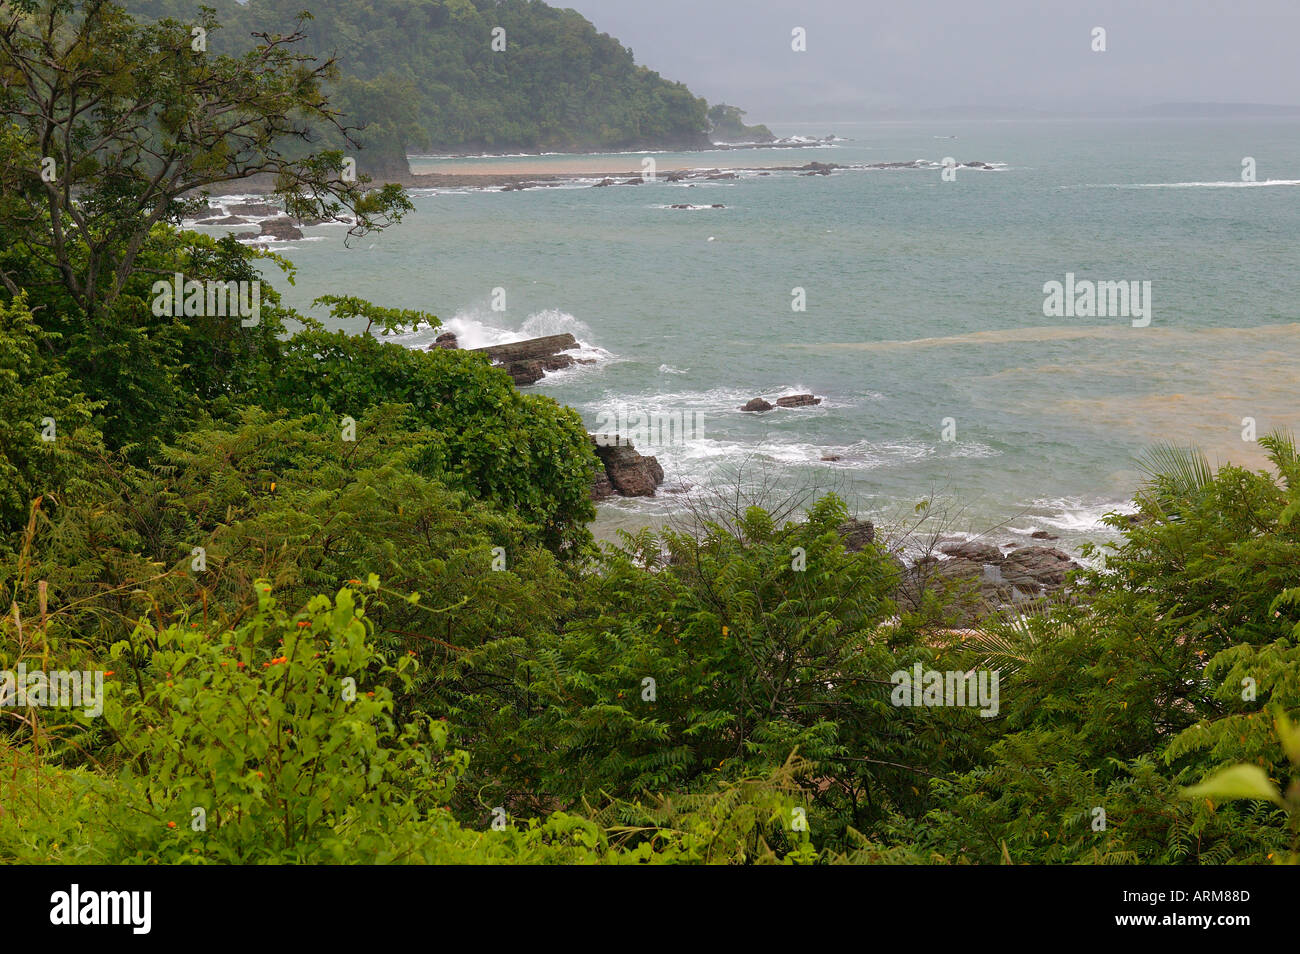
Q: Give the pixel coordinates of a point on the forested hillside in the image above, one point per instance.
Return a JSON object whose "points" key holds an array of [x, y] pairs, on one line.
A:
{"points": [[425, 74]]}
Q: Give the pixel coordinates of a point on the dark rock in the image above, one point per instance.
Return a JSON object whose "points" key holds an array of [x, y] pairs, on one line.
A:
{"points": [[528, 361], [675, 177], [229, 220], [602, 183], [531, 350], [857, 534], [558, 362], [523, 373], [1045, 566], [973, 550], [1044, 535], [630, 474], [831, 457], [281, 228], [757, 404], [718, 205], [446, 340], [600, 486], [797, 400], [253, 208]]}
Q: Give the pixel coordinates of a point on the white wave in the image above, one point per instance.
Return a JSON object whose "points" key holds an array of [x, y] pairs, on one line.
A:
{"points": [[1077, 515], [973, 450], [669, 369], [724, 401], [1225, 184], [480, 327]]}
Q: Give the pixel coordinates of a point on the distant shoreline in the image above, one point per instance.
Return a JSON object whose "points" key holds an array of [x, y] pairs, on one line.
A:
{"points": [[520, 177]]}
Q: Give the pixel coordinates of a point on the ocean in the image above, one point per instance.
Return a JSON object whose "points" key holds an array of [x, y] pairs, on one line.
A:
{"points": [[923, 329]]}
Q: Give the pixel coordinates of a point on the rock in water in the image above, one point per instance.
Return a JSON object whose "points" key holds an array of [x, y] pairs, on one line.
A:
{"points": [[446, 340], [528, 361], [601, 487], [758, 405], [253, 208], [973, 550], [281, 228], [628, 472], [798, 400]]}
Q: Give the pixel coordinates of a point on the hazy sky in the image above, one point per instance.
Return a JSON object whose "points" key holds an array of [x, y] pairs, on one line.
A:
{"points": [[866, 54]]}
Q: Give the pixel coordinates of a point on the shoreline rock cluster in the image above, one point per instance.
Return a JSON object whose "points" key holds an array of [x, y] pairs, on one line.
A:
{"points": [[977, 578], [275, 224]]}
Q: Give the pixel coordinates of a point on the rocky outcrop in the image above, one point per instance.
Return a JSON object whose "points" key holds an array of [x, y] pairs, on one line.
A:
{"points": [[818, 168], [973, 550], [798, 400], [627, 472], [281, 228], [979, 580], [759, 405], [253, 208], [528, 361], [1044, 566], [601, 488]]}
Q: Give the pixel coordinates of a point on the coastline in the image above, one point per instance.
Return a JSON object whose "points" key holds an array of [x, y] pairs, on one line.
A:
{"points": [[520, 177]]}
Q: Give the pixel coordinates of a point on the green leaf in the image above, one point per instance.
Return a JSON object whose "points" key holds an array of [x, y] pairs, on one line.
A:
{"points": [[1289, 733], [1236, 782]]}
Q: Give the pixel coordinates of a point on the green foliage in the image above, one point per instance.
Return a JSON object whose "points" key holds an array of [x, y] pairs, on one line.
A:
{"points": [[112, 122], [44, 422], [422, 73], [217, 498], [525, 453], [727, 124]]}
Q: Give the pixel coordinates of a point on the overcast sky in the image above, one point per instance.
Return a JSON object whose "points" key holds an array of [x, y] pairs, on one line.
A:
{"points": [[920, 54]]}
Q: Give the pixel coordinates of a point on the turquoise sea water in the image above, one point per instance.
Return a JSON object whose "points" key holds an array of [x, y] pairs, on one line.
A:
{"points": [[924, 302]]}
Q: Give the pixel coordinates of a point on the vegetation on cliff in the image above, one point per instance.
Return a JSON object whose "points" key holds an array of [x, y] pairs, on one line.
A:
{"points": [[433, 74]]}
